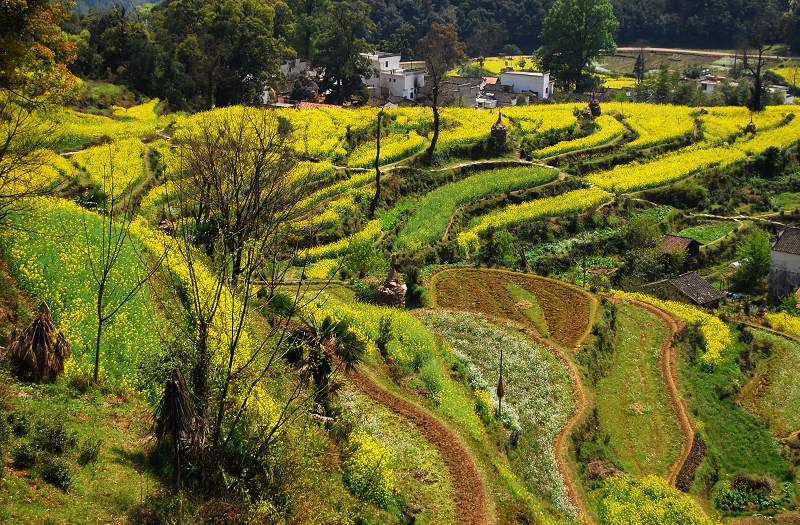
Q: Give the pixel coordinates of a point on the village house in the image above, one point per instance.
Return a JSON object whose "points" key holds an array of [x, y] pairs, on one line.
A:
{"points": [[784, 267], [390, 79], [678, 244], [688, 288], [538, 83]]}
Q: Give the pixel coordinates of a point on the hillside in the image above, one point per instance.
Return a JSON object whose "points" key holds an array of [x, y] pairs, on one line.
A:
{"points": [[607, 392]]}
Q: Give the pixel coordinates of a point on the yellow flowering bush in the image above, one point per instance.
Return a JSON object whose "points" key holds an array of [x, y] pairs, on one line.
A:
{"points": [[370, 232], [368, 468], [648, 501], [783, 322], [393, 148], [569, 202], [609, 130], [657, 123], [322, 269], [124, 159], [716, 333]]}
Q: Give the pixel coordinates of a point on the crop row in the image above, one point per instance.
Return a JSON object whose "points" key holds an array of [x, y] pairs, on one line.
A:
{"points": [[433, 213], [608, 130], [393, 148]]}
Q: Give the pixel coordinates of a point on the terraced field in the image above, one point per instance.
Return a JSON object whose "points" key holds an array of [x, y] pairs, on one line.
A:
{"points": [[567, 312]]}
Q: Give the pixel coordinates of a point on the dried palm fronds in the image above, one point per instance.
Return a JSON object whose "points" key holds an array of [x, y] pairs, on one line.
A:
{"points": [[38, 353]]}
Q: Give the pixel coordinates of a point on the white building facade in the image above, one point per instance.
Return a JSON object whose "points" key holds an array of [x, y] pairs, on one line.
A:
{"points": [[522, 81], [389, 78]]}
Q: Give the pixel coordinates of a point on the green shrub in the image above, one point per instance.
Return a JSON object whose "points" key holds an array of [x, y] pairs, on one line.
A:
{"points": [[56, 472], [20, 423], [89, 451], [24, 455], [431, 375], [53, 436]]}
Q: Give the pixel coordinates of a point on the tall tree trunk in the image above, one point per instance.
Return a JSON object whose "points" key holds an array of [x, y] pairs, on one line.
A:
{"points": [[435, 107], [374, 204], [97, 350]]}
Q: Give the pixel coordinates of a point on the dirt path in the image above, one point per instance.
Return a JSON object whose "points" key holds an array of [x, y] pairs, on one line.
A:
{"points": [[565, 355], [468, 486], [696, 52], [669, 371]]}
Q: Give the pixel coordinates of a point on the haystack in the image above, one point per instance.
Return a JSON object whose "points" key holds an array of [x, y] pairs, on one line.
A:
{"points": [[38, 354]]}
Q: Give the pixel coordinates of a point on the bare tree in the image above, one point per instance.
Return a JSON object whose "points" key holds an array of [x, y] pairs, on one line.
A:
{"points": [[243, 187], [23, 137], [441, 51], [104, 258]]}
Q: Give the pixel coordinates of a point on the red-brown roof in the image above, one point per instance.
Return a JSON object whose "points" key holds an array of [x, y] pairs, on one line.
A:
{"points": [[490, 80], [675, 243], [316, 105]]}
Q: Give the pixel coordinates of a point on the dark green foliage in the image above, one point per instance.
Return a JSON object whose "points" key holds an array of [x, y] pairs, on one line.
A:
{"points": [[573, 34], [363, 258], [56, 472], [754, 256], [24, 455], [20, 423], [89, 451], [52, 436]]}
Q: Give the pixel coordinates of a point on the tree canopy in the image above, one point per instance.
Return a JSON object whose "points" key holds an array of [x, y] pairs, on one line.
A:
{"points": [[574, 33]]}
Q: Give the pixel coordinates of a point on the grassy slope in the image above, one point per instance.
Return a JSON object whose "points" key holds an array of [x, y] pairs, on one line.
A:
{"points": [[773, 394], [101, 493], [738, 440], [709, 233], [421, 474], [646, 443]]}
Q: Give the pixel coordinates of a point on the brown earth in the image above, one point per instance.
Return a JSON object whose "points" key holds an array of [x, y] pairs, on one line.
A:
{"points": [[569, 314], [566, 310], [467, 482]]}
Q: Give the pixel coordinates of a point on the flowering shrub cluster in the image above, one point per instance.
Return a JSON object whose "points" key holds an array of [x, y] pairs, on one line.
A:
{"points": [[121, 162], [650, 500], [569, 202], [393, 148], [368, 468], [370, 232], [609, 129], [716, 333], [657, 123], [783, 322]]}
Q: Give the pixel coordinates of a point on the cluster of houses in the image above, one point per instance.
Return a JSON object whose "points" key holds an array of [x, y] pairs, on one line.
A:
{"points": [[402, 83], [394, 82], [709, 83], [690, 287]]}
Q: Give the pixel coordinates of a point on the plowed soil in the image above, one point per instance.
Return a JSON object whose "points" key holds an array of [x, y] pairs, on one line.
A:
{"points": [[566, 310], [467, 481]]}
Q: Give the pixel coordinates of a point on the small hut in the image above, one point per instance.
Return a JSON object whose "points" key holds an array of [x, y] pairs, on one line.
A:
{"points": [[392, 292], [499, 132], [38, 353]]}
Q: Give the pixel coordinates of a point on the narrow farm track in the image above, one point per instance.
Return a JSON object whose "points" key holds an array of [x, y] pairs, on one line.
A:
{"points": [[669, 371], [564, 354], [467, 481]]}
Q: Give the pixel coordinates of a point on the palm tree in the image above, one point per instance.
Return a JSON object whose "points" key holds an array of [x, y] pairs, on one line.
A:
{"points": [[320, 349]]}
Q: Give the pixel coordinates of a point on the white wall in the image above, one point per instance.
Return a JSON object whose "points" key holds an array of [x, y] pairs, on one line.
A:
{"points": [[523, 81]]}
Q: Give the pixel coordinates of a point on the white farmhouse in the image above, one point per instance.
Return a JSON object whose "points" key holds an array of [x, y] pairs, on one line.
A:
{"points": [[534, 82], [390, 79], [784, 267]]}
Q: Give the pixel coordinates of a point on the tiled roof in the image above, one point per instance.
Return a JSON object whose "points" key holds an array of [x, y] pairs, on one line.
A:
{"points": [[788, 242], [674, 243], [696, 288]]}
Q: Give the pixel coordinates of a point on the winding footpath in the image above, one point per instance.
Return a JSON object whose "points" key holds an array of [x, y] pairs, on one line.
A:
{"points": [[669, 371], [470, 494]]}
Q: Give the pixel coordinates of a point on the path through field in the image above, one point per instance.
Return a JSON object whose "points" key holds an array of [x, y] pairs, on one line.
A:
{"points": [[669, 363], [467, 481], [569, 313]]}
